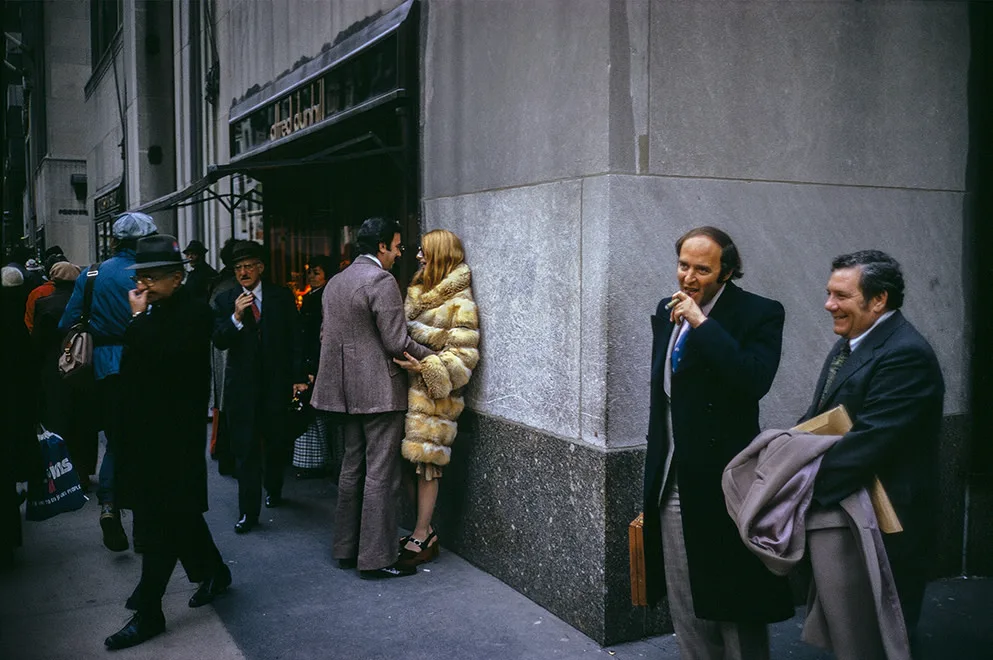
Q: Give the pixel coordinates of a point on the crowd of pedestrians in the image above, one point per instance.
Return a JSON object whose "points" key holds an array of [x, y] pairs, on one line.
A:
{"points": [[176, 342], [385, 373]]}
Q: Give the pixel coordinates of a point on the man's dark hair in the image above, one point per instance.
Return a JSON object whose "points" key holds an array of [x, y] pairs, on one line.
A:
{"points": [[730, 259], [879, 272], [53, 259], [54, 250], [373, 232], [325, 263]]}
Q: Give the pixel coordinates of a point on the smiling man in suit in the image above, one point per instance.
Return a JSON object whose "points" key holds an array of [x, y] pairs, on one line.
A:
{"points": [[715, 353], [886, 375], [257, 323]]}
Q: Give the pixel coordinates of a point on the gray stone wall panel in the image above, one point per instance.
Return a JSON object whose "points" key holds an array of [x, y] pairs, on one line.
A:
{"points": [[523, 247], [866, 93], [788, 235], [514, 93]]}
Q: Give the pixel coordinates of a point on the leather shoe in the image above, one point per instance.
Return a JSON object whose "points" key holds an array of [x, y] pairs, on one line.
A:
{"points": [[140, 628], [273, 501], [396, 569], [209, 589], [245, 524]]}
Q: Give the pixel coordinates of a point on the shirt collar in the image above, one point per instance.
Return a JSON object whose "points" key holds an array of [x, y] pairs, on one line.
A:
{"points": [[374, 258], [257, 291], [854, 342]]}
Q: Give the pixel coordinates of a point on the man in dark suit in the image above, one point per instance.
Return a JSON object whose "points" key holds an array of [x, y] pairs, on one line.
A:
{"points": [[715, 353], [257, 323], [161, 463], [364, 329], [201, 273], [887, 377]]}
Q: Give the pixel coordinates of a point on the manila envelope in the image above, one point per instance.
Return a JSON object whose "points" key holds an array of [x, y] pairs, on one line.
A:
{"points": [[837, 422]]}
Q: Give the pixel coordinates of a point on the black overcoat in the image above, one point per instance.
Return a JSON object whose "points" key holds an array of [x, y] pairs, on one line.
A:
{"points": [[311, 315], [161, 464], [263, 363], [728, 364]]}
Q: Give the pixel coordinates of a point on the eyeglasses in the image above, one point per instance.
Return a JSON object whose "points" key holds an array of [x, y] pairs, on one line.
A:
{"points": [[147, 280], [251, 266]]}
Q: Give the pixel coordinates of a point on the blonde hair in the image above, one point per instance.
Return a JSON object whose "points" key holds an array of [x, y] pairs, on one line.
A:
{"points": [[443, 252]]}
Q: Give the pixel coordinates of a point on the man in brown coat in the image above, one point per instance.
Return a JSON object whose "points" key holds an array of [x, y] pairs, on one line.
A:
{"points": [[364, 329]]}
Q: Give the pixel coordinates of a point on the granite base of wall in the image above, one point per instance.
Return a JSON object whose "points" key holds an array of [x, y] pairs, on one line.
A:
{"points": [[549, 517]]}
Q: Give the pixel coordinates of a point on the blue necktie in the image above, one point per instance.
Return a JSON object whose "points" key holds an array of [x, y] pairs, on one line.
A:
{"points": [[677, 350]]}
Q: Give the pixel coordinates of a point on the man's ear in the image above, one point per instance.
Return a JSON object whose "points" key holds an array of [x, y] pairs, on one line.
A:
{"points": [[878, 302]]}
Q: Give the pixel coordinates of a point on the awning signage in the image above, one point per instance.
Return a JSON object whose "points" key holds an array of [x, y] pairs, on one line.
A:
{"points": [[360, 72]]}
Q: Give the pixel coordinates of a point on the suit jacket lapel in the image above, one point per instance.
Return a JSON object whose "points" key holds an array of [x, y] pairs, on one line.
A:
{"points": [[661, 331], [860, 357]]}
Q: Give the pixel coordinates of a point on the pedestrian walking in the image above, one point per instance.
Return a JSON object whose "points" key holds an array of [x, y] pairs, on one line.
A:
{"points": [[201, 274], [162, 465], [110, 315]]}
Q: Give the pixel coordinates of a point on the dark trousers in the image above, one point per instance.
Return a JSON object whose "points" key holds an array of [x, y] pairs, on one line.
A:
{"points": [[262, 461], [171, 537], [108, 390], [909, 563]]}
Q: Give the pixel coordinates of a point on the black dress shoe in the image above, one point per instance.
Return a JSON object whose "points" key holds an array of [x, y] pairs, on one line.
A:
{"points": [[245, 524], [142, 627], [211, 588], [396, 569], [272, 501], [346, 564]]}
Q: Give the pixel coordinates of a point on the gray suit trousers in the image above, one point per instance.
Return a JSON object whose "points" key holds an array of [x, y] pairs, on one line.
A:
{"points": [[700, 639], [366, 516]]}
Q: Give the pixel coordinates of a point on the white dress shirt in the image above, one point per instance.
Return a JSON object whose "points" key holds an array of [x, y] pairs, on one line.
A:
{"points": [[853, 343]]}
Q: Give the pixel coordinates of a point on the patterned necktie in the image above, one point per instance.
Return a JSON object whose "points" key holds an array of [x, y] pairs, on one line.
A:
{"points": [[677, 350], [833, 370], [256, 312]]}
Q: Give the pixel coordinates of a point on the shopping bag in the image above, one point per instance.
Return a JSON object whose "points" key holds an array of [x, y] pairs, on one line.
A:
{"points": [[55, 489]]}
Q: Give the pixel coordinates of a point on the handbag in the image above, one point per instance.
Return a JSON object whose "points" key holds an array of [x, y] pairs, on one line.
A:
{"points": [[77, 348], [300, 414], [55, 488]]}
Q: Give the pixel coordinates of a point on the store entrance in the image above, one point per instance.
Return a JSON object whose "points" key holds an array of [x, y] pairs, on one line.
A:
{"points": [[318, 210]]}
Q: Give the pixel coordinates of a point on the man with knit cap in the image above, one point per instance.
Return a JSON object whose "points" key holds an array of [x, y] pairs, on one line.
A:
{"points": [[110, 314]]}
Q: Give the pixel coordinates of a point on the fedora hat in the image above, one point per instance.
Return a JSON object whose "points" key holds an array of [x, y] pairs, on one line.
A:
{"points": [[246, 250], [195, 247], [156, 251]]}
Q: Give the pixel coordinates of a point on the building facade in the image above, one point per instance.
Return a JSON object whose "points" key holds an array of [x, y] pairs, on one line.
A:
{"points": [[569, 143]]}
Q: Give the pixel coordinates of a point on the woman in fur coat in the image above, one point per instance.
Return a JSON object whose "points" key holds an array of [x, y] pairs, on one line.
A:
{"points": [[441, 314]]}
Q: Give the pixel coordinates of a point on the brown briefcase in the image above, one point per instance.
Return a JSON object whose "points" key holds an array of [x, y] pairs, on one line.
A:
{"points": [[636, 548]]}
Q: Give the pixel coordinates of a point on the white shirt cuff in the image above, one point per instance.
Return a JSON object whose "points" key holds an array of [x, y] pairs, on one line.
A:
{"points": [[238, 324]]}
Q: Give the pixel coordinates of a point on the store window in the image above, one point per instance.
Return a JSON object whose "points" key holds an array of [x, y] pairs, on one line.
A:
{"points": [[249, 223], [105, 21]]}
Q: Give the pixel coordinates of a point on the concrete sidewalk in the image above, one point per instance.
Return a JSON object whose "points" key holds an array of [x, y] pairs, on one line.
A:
{"points": [[289, 600]]}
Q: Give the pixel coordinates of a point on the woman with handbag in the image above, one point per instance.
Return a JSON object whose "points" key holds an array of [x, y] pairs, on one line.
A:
{"points": [[441, 314]]}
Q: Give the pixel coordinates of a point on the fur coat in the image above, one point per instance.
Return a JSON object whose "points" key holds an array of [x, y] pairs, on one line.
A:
{"points": [[445, 320]]}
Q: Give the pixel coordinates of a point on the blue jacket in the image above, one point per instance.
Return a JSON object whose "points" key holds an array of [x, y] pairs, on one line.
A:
{"points": [[109, 314]]}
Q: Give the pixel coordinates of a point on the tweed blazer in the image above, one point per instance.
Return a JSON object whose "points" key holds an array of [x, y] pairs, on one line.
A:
{"points": [[364, 329]]}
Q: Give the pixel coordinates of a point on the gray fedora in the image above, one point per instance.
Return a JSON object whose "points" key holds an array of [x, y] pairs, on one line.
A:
{"points": [[156, 251]]}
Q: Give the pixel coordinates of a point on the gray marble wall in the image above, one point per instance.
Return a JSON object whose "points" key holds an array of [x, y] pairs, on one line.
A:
{"points": [[569, 149]]}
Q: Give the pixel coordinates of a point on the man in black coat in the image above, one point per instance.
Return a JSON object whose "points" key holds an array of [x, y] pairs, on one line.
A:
{"points": [[715, 352], [201, 274], [887, 377], [161, 469], [258, 324]]}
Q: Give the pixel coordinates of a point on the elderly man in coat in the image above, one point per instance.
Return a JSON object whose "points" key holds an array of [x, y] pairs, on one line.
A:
{"points": [[258, 324], [161, 469], [364, 329], [715, 352]]}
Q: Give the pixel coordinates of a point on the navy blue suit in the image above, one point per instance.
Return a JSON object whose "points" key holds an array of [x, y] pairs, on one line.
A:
{"points": [[892, 388]]}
